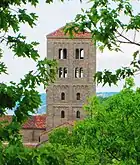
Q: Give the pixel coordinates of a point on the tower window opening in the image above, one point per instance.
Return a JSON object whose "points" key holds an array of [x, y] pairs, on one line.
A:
{"points": [[78, 96], [76, 73], [64, 53], [62, 114], [81, 73], [78, 114], [81, 53], [65, 73], [60, 72], [62, 96], [77, 54], [60, 54]]}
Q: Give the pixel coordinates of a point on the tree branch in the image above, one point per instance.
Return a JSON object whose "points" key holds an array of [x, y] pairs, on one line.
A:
{"points": [[128, 40], [3, 35], [13, 10], [131, 42], [112, 155]]}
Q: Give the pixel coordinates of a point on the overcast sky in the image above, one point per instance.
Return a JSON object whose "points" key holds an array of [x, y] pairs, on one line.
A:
{"points": [[52, 17]]}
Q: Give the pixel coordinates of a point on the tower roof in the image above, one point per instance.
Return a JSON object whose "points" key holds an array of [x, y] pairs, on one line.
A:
{"points": [[59, 33]]}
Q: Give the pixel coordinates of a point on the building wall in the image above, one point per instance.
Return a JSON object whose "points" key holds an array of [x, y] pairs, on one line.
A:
{"points": [[31, 135], [70, 85]]}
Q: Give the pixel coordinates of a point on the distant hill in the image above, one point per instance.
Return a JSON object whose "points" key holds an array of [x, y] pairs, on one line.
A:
{"points": [[42, 109], [106, 94]]}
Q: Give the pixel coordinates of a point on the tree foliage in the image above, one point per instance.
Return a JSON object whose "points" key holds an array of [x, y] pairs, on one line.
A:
{"points": [[105, 20], [22, 97], [111, 135]]}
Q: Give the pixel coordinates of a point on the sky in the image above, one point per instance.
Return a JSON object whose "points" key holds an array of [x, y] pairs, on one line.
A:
{"points": [[52, 17]]}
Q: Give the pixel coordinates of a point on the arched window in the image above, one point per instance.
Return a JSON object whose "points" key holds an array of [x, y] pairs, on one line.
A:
{"points": [[62, 96], [78, 96], [62, 114], [64, 53], [65, 73], [81, 53], [78, 114], [81, 73], [60, 54], [77, 54], [76, 73], [60, 72]]}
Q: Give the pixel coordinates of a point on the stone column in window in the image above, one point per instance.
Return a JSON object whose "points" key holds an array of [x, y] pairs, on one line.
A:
{"points": [[65, 72], [60, 72], [81, 53], [76, 73], [81, 73], [60, 54]]}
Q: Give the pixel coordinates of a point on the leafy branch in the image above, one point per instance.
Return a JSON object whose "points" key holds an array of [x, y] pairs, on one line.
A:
{"points": [[128, 41], [105, 23], [23, 97]]}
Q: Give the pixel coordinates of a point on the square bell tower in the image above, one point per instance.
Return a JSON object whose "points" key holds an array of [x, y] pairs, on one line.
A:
{"points": [[76, 66]]}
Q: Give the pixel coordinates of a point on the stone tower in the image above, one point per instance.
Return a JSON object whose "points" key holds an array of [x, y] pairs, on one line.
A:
{"points": [[77, 64]]}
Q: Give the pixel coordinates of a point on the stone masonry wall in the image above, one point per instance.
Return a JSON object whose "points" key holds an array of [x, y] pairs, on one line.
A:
{"points": [[31, 135], [70, 85]]}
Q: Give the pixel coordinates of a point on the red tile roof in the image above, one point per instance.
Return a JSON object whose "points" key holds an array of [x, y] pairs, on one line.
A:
{"points": [[7, 118], [69, 123], [59, 33], [36, 122]]}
